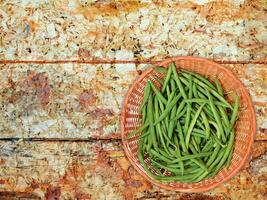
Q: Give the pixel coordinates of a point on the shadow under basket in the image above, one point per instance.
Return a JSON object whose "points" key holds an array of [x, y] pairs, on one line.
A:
{"points": [[245, 127]]}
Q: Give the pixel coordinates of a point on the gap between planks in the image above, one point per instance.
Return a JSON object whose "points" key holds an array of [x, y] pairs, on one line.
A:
{"points": [[103, 61], [61, 139], [91, 139]]}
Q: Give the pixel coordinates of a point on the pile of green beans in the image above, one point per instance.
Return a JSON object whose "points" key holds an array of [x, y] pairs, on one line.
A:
{"points": [[187, 127]]}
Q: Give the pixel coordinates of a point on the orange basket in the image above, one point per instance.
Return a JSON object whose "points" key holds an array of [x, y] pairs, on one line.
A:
{"points": [[245, 127]]}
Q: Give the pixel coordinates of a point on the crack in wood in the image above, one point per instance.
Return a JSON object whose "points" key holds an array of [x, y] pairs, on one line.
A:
{"points": [[91, 139]]}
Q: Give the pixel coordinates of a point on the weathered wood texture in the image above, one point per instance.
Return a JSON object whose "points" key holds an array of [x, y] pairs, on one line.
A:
{"points": [[100, 170], [84, 101], [71, 29], [59, 123]]}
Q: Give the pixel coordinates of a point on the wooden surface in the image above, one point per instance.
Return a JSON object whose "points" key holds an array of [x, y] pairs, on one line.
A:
{"points": [[61, 91]]}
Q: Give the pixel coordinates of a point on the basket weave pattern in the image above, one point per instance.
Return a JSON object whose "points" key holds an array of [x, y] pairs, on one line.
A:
{"points": [[245, 127]]}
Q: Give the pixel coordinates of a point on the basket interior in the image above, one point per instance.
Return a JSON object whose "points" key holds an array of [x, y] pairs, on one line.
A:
{"points": [[244, 128]]}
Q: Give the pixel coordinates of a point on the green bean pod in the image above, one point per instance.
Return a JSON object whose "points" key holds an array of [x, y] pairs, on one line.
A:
{"points": [[158, 93], [192, 124], [167, 79]]}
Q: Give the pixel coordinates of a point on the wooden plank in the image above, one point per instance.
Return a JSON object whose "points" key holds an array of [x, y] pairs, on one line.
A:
{"points": [[214, 29], [81, 101], [98, 170]]}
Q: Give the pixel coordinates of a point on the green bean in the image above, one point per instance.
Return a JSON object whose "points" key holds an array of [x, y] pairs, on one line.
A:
{"points": [[175, 170], [160, 156], [181, 137], [198, 161], [169, 142], [214, 154], [147, 92], [200, 93], [195, 92], [215, 136], [201, 100], [165, 154], [179, 154], [161, 70], [150, 140], [228, 162], [150, 116], [188, 109], [227, 151], [183, 178], [144, 139], [206, 81], [144, 117], [168, 108], [166, 121], [218, 86], [217, 118], [224, 116], [221, 98], [158, 93], [192, 124], [158, 127], [201, 131], [234, 114], [180, 107], [177, 80], [159, 80], [180, 111], [164, 131], [168, 91], [207, 146], [144, 134], [192, 156], [211, 166], [141, 160], [200, 164], [187, 164], [208, 112], [198, 135], [167, 79], [198, 175], [206, 124], [222, 110], [138, 130], [171, 96], [195, 144], [161, 106], [173, 85], [212, 91], [206, 108], [199, 122], [197, 139], [171, 123]]}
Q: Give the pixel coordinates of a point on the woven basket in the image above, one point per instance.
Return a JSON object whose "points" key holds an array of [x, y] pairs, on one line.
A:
{"points": [[245, 127]]}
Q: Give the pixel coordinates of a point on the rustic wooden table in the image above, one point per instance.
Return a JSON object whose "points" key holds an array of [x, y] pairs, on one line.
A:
{"points": [[61, 96]]}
